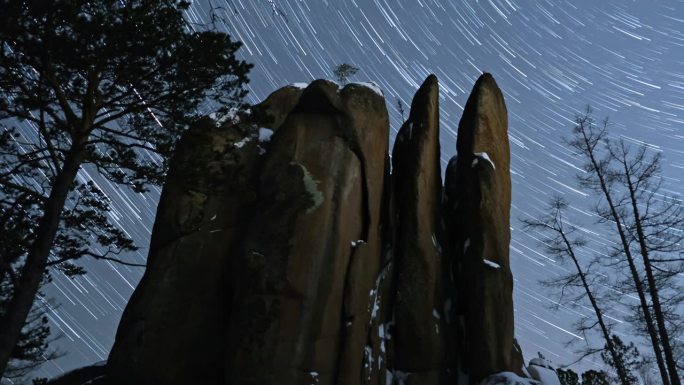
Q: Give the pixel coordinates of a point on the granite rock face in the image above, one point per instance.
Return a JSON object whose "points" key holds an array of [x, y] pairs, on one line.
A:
{"points": [[179, 310], [477, 208], [300, 258], [421, 327], [310, 255]]}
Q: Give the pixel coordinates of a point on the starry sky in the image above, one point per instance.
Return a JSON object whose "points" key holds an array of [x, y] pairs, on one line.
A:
{"points": [[551, 58]]}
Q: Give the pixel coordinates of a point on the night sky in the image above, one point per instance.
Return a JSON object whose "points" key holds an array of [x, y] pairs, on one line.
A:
{"points": [[551, 58]]}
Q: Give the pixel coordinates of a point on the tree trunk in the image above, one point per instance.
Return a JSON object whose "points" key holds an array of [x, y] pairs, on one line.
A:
{"points": [[598, 170], [619, 365], [649, 321], [32, 273], [660, 320], [652, 287]]}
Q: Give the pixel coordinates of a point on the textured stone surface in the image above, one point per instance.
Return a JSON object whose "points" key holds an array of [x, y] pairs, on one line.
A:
{"points": [[274, 109], [183, 302], [420, 332], [477, 205], [300, 260], [318, 214]]}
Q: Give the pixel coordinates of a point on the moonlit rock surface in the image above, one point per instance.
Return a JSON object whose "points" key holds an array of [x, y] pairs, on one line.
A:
{"points": [[476, 208]]}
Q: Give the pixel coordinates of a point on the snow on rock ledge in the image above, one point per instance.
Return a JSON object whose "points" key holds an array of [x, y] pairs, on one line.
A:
{"points": [[545, 375], [508, 378], [544, 363], [372, 86]]}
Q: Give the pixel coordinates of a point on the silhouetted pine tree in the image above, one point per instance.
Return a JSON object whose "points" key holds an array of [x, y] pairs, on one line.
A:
{"points": [[103, 83]]}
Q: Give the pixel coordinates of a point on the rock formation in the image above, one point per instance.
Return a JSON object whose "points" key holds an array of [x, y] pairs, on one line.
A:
{"points": [[311, 253], [421, 306], [477, 206], [299, 258], [179, 311]]}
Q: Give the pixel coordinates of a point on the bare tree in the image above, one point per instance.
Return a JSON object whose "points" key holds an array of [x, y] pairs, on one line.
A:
{"points": [[628, 197], [655, 225], [561, 243]]}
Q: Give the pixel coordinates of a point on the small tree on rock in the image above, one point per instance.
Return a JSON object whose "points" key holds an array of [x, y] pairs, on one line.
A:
{"points": [[343, 72]]}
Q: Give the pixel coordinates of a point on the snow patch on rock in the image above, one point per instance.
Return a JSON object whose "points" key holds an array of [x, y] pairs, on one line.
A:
{"points": [[491, 264], [242, 142], [372, 86], [265, 134], [545, 375], [357, 242], [484, 156], [544, 363], [508, 378]]}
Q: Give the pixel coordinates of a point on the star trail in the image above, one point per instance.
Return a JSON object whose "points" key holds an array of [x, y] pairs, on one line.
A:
{"points": [[550, 58]]}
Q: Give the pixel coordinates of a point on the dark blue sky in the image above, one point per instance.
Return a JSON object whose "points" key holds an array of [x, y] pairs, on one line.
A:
{"points": [[551, 58]]}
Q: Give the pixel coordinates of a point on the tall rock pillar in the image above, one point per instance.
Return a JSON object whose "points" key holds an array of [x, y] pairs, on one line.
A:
{"points": [[420, 323], [311, 254], [477, 209]]}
